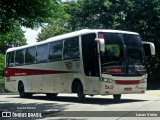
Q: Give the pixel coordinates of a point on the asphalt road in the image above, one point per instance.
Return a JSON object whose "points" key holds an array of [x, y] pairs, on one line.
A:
{"points": [[65, 106]]}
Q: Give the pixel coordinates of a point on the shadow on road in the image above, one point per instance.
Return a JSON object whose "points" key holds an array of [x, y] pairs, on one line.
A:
{"points": [[61, 110], [88, 100], [43, 108], [56, 109]]}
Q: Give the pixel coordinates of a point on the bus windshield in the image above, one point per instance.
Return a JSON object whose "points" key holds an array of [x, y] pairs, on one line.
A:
{"points": [[133, 49], [123, 54]]}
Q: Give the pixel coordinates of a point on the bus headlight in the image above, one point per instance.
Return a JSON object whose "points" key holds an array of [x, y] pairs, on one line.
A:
{"points": [[108, 80], [144, 80]]}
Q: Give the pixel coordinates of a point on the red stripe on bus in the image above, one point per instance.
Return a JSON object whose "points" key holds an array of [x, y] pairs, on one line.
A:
{"points": [[127, 81], [24, 72]]}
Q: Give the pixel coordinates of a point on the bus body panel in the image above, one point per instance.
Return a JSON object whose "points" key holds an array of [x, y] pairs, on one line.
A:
{"points": [[46, 77]]}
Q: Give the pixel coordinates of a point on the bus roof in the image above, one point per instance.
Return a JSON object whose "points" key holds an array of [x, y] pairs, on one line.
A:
{"points": [[71, 34]]}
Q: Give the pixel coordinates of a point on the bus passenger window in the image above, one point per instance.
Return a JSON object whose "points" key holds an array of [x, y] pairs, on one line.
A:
{"points": [[10, 59], [42, 53], [71, 48], [55, 50], [30, 55], [19, 57]]}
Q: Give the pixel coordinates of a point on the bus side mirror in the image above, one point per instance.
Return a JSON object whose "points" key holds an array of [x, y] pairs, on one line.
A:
{"points": [[149, 48], [101, 44]]}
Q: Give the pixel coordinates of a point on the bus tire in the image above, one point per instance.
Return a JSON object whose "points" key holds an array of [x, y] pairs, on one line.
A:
{"points": [[51, 95], [81, 96], [117, 97], [21, 91]]}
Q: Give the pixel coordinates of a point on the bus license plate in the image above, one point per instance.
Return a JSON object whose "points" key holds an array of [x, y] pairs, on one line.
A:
{"points": [[127, 89]]}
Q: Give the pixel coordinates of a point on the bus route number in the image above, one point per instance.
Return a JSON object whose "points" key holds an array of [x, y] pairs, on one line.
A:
{"points": [[110, 87]]}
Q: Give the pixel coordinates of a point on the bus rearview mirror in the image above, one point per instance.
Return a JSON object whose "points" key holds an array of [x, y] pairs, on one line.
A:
{"points": [[149, 48], [101, 44]]}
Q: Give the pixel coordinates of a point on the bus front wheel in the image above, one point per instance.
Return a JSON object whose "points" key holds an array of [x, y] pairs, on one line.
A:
{"points": [[81, 96], [117, 97]]}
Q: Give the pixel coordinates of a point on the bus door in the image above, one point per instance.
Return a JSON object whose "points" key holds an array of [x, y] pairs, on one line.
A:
{"points": [[90, 63]]}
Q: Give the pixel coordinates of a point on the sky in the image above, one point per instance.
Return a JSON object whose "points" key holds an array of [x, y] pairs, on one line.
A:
{"points": [[31, 35]]}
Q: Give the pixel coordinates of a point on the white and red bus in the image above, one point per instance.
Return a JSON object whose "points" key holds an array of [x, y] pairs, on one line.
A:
{"points": [[86, 62]]}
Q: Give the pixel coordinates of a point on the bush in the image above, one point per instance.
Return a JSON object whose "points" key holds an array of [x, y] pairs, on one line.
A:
{"points": [[2, 61], [1, 79], [152, 65]]}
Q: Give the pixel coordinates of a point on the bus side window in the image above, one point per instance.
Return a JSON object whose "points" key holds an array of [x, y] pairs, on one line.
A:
{"points": [[19, 57], [30, 55], [42, 53], [10, 59], [71, 48], [55, 50]]}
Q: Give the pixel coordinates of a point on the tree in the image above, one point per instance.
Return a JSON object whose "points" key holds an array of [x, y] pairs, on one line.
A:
{"points": [[142, 16], [28, 13], [14, 37], [56, 26], [132, 15], [113, 14], [2, 61]]}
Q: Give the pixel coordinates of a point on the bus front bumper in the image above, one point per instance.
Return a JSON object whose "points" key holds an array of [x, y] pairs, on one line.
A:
{"points": [[123, 85]]}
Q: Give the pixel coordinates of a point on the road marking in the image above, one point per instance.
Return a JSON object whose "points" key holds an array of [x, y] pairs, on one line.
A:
{"points": [[154, 93]]}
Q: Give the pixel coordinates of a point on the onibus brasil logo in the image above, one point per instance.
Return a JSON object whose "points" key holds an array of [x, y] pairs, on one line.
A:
{"points": [[21, 114]]}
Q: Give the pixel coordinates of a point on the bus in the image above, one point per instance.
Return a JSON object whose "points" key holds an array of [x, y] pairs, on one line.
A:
{"points": [[86, 62]]}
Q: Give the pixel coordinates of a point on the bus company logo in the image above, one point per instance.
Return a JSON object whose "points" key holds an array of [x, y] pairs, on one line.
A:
{"points": [[21, 114], [6, 114], [68, 65]]}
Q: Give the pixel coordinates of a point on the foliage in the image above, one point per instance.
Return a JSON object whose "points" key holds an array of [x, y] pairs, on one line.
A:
{"points": [[2, 59], [56, 27], [153, 67], [1, 79], [133, 15], [28, 13], [14, 37]]}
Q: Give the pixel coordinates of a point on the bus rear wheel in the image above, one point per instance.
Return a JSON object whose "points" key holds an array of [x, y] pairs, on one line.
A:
{"points": [[117, 97], [81, 96]]}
